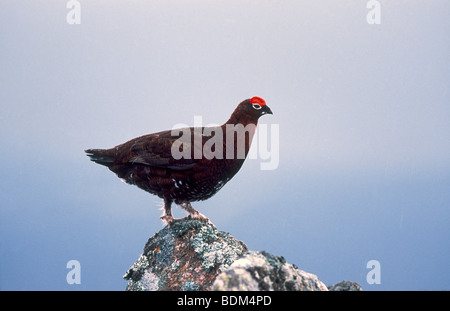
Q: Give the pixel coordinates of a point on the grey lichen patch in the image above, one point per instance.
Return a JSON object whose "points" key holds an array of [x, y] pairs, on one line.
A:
{"points": [[137, 269], [174, 265], [190, 286], [216, 249], [181, 226], [345, 286], [148, 282], [164, 255], [275, 261]]}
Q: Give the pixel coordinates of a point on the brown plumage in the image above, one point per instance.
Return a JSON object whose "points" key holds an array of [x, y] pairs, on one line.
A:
{"points": [[189, 164]]}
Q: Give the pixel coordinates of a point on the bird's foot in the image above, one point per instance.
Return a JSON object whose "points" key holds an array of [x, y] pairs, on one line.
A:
{"points": [[194, 214], [199, 216], [167, 219]]}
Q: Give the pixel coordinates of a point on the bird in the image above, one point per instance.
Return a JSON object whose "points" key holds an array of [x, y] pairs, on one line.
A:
{"points": [[187, 164]]}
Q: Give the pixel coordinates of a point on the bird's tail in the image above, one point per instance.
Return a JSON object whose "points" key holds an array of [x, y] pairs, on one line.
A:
{"points": [[101, 156]]}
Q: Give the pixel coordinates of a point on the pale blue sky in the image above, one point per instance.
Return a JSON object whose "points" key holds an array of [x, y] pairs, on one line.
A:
{"points": [[363, 112]]}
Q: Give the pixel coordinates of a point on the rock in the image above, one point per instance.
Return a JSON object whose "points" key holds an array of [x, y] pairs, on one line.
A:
{"points": [[345, 286], [187, 255], [192, 255], [261, 271]]}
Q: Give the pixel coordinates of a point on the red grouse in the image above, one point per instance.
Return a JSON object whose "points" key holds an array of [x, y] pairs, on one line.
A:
{"points": [[188, 164]]}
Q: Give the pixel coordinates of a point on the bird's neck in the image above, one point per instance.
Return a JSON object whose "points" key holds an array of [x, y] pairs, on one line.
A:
{"points": [[238, 132], [241, 117], [238, 138]]}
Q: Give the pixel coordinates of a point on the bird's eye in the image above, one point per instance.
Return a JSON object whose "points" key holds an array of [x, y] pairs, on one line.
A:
{"points": [[256, 106]]}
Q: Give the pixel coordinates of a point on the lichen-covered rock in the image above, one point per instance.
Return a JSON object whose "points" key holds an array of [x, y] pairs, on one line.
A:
{"points": [[257, 271], [187, 255], [345, 286], [192, 255]]}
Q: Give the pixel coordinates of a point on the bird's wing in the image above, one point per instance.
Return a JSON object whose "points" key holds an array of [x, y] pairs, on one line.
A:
{"points": [[156, 149]]}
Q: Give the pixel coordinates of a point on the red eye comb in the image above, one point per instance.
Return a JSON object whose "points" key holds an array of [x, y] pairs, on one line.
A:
{"points": [[257, 100]]}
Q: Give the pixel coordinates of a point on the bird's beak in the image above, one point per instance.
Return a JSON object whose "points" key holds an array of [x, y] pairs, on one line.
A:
{"points": [[266, 110]]}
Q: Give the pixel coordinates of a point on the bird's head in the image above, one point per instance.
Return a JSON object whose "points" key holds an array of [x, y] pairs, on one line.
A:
{"points": [[258, 106], [249, 111]]}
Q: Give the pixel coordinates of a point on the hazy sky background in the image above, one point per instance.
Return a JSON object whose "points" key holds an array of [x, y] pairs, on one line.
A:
{"points": [[363, 112]]}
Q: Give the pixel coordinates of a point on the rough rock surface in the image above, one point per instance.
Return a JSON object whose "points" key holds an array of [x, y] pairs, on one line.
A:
{"points": [[193, 255], [345, 286], [187, 255], [263, 271]]}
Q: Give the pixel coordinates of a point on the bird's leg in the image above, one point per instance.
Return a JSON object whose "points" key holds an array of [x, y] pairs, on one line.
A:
{"points": [[167, 212], [193, 213]]}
